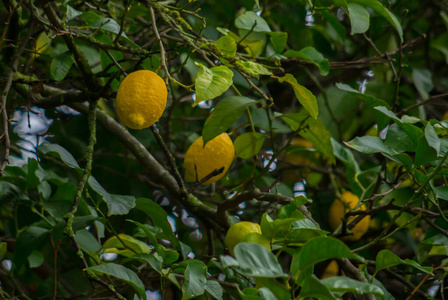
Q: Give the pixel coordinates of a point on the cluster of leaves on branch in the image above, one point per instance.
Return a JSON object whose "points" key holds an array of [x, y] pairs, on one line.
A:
{"points": [[319, 97]]}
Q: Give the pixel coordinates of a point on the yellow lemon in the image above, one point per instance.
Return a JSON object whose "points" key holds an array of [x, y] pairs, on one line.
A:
{"points": [[201, 161], [141, 99], [332, 270], [237, 231], [297, 159], [290, 175], [344, 205], [256, 238]]}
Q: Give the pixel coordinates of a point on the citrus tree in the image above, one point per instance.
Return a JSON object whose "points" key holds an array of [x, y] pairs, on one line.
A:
{"points": [[223, 149]]}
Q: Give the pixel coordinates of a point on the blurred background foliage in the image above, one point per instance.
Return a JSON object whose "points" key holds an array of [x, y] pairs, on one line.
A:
{"points": [[352, 56]]}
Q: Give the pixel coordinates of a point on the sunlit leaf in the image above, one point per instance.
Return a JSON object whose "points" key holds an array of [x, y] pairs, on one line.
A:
{"points": [[254, 69], [211, 83], [226, 45], [305, 97], [249, 144]]}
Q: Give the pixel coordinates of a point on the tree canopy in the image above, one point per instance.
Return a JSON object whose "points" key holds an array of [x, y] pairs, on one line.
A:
{"points": [[336, 112]]}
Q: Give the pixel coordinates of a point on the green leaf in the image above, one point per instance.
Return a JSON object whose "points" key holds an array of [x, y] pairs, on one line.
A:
{"points": [[247, 21], [305, 97], [146, 230], [195, 279], [87, 241], [278, 41], [380, 9], [226, 112], [35, 174], [370, 101], [154, 260], [123, 273], [211, 83], [214, 288], [63, 154], [126, 245], [159, 218], [36, 259], [345, 155], [110, 25], [169, 256], [423, 82], [398, 140], [249, 144], [359, 18], [60, 65], [414, 132], [277, 288], [312, 130], [323, 248], [226, 45], [3, 249], [257, 261], [254, 68], [312, 55], [386, 259], [432, 138], [369, 145], [347, 285], [314, 288], [72, 13], [424, 153], [441, 192], [116, 204]]}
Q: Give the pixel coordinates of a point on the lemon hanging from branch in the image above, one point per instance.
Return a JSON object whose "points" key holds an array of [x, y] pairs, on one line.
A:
{"points": [[341, 206], [141, 99], [215, 158]]}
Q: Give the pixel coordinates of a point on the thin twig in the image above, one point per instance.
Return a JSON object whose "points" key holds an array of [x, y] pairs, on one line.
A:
{"points": [[5, 29], [171, 161], [159, 40], [115, 62], [4, 136], [424, 280], [409, 108], [379, 53]]}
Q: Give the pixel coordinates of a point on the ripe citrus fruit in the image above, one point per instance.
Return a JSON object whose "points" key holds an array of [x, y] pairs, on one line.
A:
{"points": [[141, 99], [332, 270], [301, 155], [237, 231], [338, 210], [298, 159], [256, 238], [201, 161]]}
